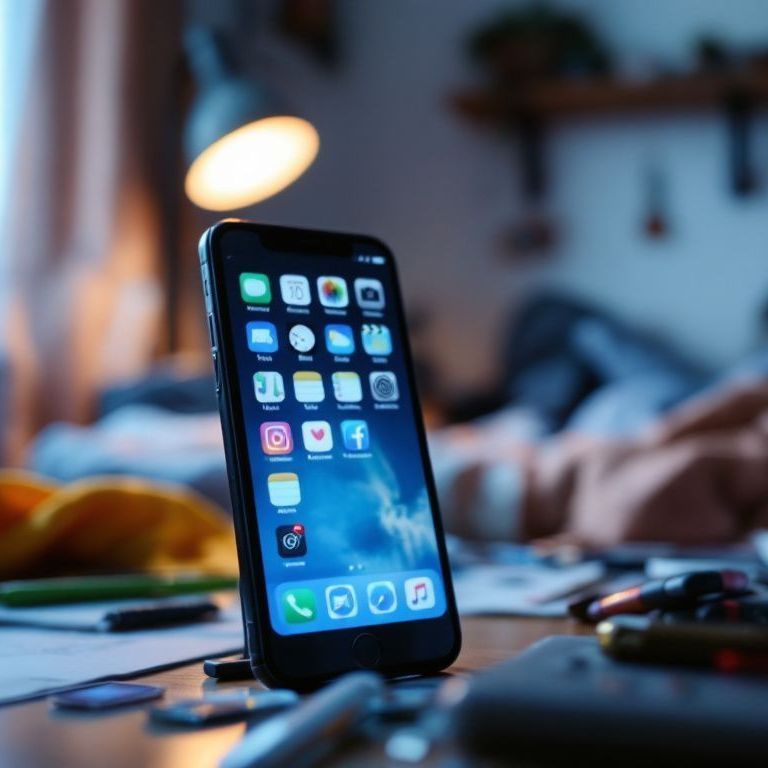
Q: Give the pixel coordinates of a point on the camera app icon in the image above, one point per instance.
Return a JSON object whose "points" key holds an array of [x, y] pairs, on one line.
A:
{"points": [[276, 438], [384, 386], [369, 293], [291, 541]]}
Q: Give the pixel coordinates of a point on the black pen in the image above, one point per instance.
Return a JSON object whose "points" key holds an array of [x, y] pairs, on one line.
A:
{"points": [[319, 721], [156, 615], [673, 592]]}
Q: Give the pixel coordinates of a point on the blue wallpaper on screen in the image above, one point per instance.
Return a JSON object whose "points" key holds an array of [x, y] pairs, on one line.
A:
{"points": [[366, 516]]}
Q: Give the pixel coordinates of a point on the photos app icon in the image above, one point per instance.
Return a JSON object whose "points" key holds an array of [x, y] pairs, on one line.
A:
{"points": [[332, 291]]}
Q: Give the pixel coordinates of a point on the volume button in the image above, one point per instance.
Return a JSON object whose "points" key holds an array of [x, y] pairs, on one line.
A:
{"points": [[212, 332], [206, 275], [216, 378]]}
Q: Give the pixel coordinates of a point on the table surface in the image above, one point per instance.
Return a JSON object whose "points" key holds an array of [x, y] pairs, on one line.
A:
{"points": [[33, 735]]}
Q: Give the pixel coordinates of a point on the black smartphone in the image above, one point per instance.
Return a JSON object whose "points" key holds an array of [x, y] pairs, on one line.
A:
{"points": [[342, 553], [106, 696]]}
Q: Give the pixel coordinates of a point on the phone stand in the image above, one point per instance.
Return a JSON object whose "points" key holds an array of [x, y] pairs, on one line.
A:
{"points": [[228, 669], [232, 669]]}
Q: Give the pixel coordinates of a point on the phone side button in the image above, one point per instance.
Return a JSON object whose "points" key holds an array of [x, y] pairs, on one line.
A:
{"points": [[366, 651], [212, 331], [215, 358]]}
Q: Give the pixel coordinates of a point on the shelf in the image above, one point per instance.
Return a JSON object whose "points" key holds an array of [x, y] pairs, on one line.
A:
{"points": [[563, 98]]}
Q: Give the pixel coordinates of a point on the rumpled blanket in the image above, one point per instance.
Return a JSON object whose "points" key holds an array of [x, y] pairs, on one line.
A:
{"points": [[698, 475]]}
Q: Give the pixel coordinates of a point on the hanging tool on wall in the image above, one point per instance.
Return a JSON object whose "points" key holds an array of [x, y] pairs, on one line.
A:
{"points": [[739, 110], [534, 234], [656, 217]]}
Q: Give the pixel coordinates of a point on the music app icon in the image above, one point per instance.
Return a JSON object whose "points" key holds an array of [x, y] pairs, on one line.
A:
{"points": [[419, 593]]}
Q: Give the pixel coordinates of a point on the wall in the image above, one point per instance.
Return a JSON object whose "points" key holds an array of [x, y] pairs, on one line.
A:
{"points": [[703, 286], [396, 162]]}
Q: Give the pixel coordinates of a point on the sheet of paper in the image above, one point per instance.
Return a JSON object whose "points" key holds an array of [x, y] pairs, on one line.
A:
{"points": [[35, 662], [666, 567], [522, 590]]}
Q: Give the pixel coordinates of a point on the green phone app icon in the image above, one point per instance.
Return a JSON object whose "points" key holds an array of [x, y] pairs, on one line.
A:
{"points": [[299, 606], [255, 288]]}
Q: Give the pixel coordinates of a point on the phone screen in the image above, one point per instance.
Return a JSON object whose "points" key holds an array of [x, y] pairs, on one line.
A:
{"points": [[346, 525]]}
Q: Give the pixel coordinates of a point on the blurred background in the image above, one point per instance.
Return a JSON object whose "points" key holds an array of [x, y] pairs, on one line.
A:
{"points": [[576, 192]]}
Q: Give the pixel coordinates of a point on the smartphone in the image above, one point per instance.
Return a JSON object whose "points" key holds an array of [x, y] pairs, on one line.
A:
{"points": [[223, 708], [342, 554], [106, 696]]}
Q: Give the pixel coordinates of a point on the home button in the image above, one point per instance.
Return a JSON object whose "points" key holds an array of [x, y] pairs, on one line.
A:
{"points": [[366, 651]]}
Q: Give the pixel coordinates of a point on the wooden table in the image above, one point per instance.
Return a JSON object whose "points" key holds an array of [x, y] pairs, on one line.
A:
{"points": [[32, 735]]}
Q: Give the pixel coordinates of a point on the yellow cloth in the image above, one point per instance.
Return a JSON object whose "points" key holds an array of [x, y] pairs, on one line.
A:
{"points": [[107, 524]]}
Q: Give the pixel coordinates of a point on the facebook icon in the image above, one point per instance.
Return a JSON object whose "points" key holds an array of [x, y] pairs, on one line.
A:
{"points": [[355, 435]]}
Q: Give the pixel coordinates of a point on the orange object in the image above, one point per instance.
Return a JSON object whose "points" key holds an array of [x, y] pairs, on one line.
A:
{"points": [[108, 524]]}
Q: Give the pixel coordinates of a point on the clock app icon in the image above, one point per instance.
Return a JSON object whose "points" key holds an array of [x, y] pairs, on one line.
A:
{"points": [[302, 338]]}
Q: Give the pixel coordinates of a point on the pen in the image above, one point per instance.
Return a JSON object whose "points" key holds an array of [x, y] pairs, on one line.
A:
{"points": [[725, 647], [676, 591], [733, 610], [321, 719], [150, 616], [80, 589]]}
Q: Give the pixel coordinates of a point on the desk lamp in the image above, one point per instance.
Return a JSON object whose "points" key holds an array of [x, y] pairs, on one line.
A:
{"points": [[241, 145]]}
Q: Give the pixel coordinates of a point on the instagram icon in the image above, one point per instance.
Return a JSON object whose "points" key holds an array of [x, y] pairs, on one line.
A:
{"points": [[276, 437]]}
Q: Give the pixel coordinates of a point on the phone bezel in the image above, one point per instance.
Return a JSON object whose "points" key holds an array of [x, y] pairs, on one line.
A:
{"points": [[307, 660]]}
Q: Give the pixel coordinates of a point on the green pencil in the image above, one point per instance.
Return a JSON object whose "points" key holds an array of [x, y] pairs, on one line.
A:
{"points": [[81, 589]]}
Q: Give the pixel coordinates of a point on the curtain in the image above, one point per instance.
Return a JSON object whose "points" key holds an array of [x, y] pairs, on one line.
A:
{"points": [[95, 187]]}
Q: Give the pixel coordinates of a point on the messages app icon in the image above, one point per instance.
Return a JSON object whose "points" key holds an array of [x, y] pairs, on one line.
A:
{"points": [[255, 288]]}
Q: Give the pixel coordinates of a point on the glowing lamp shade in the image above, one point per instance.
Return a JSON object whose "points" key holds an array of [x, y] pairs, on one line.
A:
{"points": [[242, 144], [251, 163]]}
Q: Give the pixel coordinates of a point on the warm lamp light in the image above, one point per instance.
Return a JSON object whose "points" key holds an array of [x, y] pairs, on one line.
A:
{"points": [[251, 163], [241, 146]]}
